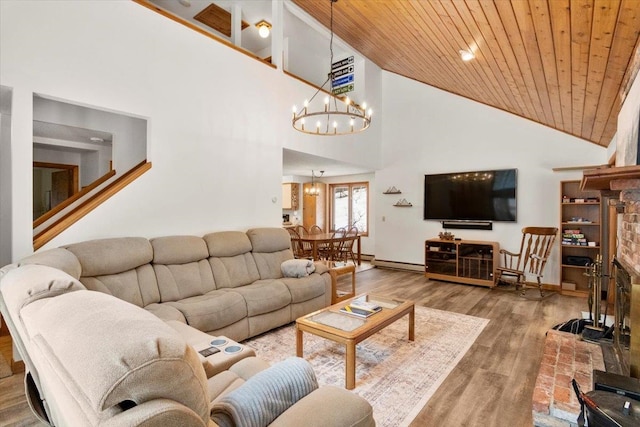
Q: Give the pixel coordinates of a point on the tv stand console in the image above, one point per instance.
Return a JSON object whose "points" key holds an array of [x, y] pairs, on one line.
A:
{"points": [[461, 261]]}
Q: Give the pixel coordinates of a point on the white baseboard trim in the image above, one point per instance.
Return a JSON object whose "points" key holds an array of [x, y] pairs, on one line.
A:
{"points": [[397, 265]]}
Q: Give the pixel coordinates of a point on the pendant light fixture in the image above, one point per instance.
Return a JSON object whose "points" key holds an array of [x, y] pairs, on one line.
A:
{"points": [[313, 190], [338, 116]]}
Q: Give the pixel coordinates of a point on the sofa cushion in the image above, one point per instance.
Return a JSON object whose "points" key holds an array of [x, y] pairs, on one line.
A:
{"points": [[59, 258], [29, 283], [181, 266], [346, 409], [269, 239], [165, 312], [304, 288], [230, 259], [119, 267], [227, 243], [212, 311], [137, 286], [178, 249], [264, 296], [110, 256], [108, 352], [271, 247]]}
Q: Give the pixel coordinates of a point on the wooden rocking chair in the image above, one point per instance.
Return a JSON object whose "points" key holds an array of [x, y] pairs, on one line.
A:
{"points": [[534, 251]]}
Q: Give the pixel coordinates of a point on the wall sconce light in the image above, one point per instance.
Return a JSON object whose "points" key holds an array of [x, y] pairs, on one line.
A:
{"points": [[264, 29]]}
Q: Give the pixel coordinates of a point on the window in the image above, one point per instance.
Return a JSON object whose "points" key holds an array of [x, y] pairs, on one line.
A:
{"points": [[349, 205]]}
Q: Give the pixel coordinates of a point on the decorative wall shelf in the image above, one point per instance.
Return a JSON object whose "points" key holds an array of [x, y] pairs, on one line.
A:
{"points": [[392, 190], [403, 203]]}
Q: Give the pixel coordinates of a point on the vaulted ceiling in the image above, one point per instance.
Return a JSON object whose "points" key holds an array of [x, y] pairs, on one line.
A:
{"points": [[567, 64]]}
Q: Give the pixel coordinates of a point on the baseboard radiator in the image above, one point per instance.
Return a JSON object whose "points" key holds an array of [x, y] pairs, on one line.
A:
{"points": [[397, 265]]}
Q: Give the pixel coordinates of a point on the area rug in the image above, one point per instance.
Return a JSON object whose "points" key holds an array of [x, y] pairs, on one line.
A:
{"points": [[396, 376]]}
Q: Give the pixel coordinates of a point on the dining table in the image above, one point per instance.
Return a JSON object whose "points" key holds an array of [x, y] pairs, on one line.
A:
{"points": [[317, 240]]}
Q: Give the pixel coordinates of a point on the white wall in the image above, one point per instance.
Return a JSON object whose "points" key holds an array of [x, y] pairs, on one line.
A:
{"points": [[628, 122], [427, 130], [5, 186], [218, 120]]}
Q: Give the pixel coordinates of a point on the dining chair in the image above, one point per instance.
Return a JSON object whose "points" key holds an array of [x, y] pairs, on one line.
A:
{"points": [[338, 252], [535, 248], [300, 249], [325, 250], [347, 248], [315, 229]]}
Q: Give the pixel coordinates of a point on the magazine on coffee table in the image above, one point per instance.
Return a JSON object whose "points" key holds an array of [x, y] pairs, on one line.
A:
{"points": [[355, 310]]}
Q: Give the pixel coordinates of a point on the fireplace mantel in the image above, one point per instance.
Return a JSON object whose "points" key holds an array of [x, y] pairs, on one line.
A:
{"points": [[616, 178]]}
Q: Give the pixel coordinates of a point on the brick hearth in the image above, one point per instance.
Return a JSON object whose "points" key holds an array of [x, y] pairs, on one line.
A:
{"points": [[566, 356]]}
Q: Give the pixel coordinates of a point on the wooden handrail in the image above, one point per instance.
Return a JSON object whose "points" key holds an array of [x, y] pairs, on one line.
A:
{"points": [[88, 205], [60, 207], [197, 29]]}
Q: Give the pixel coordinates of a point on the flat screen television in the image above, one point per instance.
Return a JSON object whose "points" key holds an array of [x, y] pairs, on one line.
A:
{"points": [[471, 196]]}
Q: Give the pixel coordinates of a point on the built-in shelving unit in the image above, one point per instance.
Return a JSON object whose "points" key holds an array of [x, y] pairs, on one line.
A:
{"points": [[580, 236]]}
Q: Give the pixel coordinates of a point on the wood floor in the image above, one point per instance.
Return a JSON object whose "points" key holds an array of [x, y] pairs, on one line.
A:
{"points": [[491, 386]]}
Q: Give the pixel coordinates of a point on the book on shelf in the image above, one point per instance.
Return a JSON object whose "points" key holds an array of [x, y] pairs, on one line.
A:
{"points": [[358, 312]]}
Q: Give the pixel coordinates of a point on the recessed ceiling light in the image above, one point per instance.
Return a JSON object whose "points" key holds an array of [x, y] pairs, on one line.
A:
{"points": [[185, 3], [466, 55]]}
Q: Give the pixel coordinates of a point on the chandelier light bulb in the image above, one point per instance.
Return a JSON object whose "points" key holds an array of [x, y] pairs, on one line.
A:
{"points": [[364, 105]]}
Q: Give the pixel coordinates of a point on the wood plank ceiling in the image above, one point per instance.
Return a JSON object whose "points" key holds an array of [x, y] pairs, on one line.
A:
{"points": [[567, 64]]}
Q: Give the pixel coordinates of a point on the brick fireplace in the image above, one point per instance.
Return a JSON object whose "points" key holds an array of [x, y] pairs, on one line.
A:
{"points": [[566, 355], [629, 258], [625, 182]]}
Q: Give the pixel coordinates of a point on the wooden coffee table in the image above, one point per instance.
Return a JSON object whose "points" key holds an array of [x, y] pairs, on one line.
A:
{"points": [[349, 330]]}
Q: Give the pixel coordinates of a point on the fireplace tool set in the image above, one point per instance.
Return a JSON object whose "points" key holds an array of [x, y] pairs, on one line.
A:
{"points": [[597, 329]]}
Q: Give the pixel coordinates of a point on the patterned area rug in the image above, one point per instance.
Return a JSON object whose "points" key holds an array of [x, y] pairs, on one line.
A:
{"points": [[396, 376]]}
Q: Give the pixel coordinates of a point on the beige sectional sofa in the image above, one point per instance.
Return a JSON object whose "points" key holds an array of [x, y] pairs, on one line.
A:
{"points": [[225, 283], [124, 355]]}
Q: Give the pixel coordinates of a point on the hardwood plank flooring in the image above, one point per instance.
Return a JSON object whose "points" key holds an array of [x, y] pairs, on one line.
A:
{"points": [[491, 386]]}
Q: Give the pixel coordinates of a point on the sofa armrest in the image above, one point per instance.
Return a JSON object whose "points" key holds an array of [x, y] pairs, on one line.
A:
{"points": [[321, 267], [343, 408], [160, 413]]}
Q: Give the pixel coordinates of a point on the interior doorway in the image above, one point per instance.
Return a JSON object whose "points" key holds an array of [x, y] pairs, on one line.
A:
{"points": [[53, 183]]}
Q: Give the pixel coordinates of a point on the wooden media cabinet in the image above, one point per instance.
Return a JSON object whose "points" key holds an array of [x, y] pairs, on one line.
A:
{"points": [[461, 261]]}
